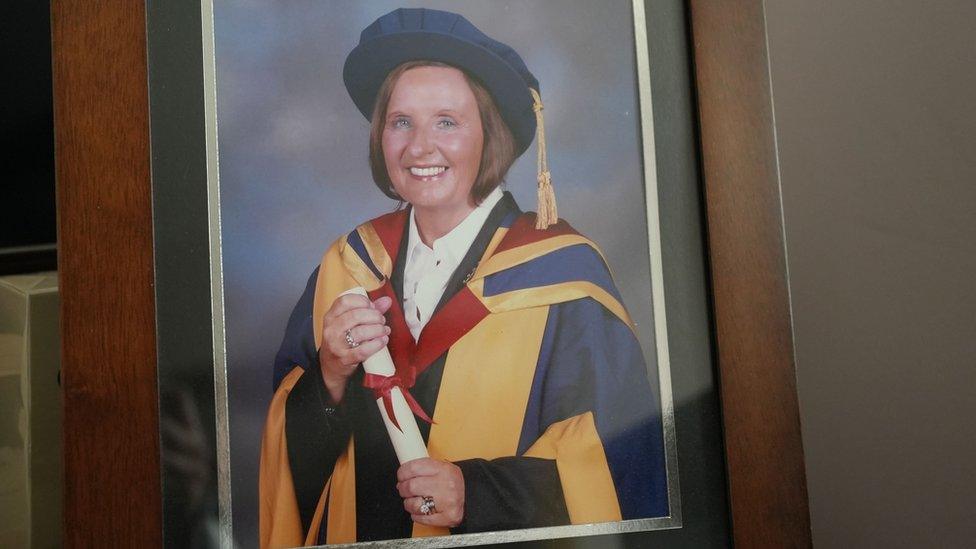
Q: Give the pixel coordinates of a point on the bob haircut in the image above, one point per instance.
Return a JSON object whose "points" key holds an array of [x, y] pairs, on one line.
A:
{"points": [[497, 153]]}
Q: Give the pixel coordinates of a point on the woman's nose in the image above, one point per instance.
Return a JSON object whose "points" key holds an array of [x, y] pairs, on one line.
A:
{"points": [[421, 142]]}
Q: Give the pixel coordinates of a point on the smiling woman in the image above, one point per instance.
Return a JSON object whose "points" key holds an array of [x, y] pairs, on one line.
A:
{"points": [[505, 327]]}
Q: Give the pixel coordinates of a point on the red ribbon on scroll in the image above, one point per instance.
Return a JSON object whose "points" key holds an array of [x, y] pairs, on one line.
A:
{"points": [[458, 316], [381, 387]]}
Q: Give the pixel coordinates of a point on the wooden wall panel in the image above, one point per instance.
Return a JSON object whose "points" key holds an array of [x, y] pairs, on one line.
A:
{"points": [[111, 450], [764, 450]]}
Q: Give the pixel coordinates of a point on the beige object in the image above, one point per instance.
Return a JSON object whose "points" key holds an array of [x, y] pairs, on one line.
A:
{"points": [[408, 443], [30, 412]]}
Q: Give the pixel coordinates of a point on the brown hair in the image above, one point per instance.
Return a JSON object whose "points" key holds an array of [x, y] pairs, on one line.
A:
{"points": [[497, 152]]}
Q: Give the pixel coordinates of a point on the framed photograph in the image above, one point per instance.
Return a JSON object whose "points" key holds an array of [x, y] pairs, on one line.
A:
{"points": [[559, 372], [283, 110]]}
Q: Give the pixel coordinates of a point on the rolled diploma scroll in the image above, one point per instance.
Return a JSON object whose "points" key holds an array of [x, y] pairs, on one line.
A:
{"points": [[409, 444]]}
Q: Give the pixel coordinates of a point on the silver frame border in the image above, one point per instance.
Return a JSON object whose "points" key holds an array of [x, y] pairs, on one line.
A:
{"points": [[225, 516], [655, 255], [225, 527]]}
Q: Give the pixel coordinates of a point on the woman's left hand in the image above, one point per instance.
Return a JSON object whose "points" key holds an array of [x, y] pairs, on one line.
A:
{"points": [[440, 480]]}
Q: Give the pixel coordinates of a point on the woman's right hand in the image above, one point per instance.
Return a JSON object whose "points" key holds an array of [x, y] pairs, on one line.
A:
{"points": [[364, 321]]}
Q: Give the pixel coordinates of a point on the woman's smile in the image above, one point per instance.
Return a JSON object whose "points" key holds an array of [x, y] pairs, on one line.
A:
{"points": [[427, 173]]}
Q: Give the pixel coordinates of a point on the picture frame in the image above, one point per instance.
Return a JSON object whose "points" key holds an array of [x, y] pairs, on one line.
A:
{"points": [[126, 351]]}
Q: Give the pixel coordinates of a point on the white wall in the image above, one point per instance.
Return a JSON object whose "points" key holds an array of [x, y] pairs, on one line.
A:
{"points": [[875, 105]]}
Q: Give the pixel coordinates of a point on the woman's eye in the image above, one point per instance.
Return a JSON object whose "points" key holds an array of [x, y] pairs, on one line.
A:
{"points": [[400, 123], [446, 123]]}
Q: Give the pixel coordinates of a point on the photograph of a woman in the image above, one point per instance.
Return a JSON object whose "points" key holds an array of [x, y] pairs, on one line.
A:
{"points": [[510, 339]]}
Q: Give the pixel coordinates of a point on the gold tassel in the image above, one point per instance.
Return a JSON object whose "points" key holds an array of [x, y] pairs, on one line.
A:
{"points": [[547, 214]]}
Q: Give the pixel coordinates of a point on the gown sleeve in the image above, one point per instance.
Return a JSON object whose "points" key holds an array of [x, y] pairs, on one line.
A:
{"points": [[594, 368], [590, 367], [312, 430], [511, 492]]}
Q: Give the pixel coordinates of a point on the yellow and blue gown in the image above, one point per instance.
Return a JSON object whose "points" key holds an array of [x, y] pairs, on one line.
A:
{"points": [[530, 369]]}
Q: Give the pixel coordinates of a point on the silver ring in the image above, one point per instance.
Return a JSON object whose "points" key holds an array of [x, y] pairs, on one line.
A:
{"points": [[428, 507], [352, 343]]}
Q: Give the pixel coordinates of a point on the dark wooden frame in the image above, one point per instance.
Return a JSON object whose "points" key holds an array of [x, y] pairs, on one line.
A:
{"points": [[750, 294], [108, 367], [111, 428]]}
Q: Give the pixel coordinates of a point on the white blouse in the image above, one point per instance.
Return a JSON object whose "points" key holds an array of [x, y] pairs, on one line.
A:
{"points": [[428, 270]]}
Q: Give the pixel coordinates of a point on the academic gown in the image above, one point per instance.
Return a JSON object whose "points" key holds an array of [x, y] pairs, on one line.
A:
{"points": [[529, 367]]}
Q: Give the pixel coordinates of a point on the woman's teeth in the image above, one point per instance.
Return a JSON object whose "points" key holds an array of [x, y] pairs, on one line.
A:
{"points": [[428, 172]]}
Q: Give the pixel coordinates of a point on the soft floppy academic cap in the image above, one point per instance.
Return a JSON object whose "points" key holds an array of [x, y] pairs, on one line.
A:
{"points": [[414, 34]]}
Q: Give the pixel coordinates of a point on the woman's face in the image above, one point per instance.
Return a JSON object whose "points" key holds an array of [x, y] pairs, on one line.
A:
{"points": [[432, 141]]}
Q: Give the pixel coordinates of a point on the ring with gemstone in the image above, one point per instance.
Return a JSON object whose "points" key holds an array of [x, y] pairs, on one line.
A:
{"points": [[352, 343], [427, 507]]}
